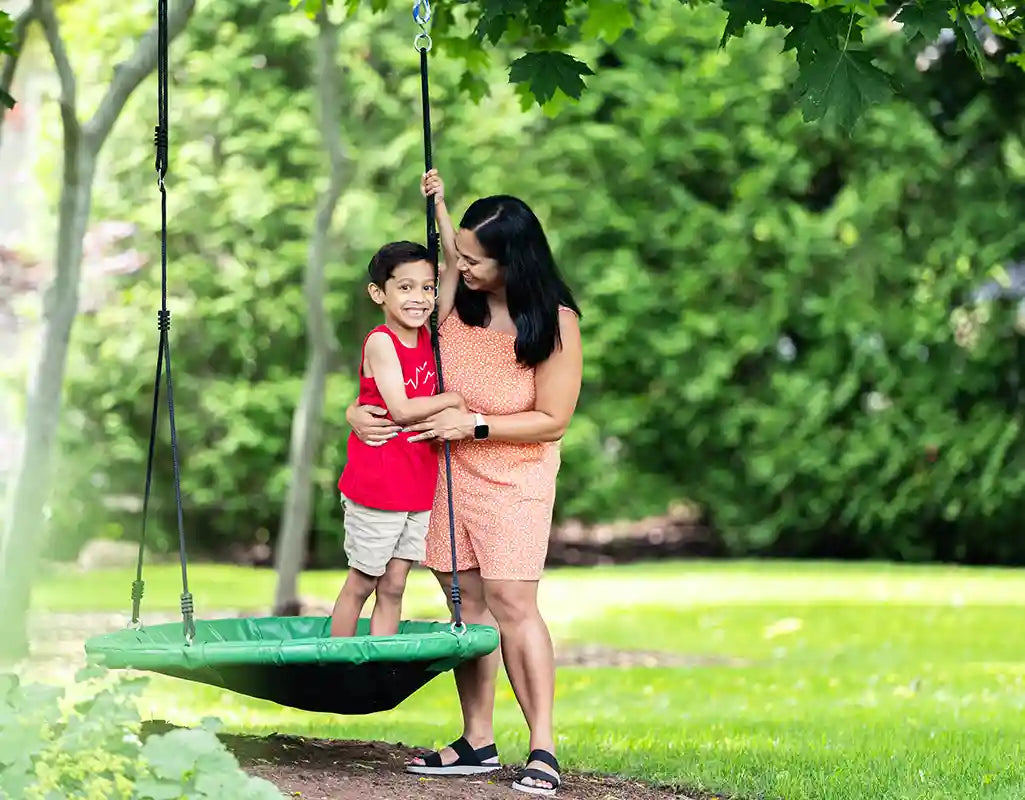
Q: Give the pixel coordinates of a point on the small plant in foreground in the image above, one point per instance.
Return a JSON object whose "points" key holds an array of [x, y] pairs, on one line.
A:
{"points": [[54, 747]]}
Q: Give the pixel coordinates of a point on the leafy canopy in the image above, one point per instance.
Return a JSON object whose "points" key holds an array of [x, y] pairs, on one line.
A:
{"points": [[837, 76]]}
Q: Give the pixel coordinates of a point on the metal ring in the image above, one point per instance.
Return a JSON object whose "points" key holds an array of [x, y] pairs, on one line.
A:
{"points": [[458, 628], [419, 36], [421, 12]]}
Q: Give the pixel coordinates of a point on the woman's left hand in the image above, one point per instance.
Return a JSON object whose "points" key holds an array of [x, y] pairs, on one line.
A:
{"points": [[447, 425]]}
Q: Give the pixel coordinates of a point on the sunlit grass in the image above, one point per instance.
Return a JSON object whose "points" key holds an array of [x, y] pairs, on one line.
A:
{"points": [[846, 682]]}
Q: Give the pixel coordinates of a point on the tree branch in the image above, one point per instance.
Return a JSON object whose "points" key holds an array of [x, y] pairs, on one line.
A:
{"points": [[129, 74], [44, 12], [11, 64]]}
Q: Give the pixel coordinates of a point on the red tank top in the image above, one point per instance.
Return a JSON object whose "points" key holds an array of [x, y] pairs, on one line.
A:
{"points": [[398, 475]]}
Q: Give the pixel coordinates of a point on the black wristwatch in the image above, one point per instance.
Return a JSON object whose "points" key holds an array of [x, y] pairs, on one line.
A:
{"points": [[480, 429]]}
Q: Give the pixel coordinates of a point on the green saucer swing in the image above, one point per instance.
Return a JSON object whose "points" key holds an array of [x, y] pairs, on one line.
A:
{"points": [[293, 661]]}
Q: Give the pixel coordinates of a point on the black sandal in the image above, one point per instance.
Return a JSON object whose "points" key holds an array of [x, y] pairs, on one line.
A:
{"points": [[539, 774], [468, 760]]}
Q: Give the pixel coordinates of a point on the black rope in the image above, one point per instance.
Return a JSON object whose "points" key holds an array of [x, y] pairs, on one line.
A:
{"points": [[163, 349], [421, 14]]}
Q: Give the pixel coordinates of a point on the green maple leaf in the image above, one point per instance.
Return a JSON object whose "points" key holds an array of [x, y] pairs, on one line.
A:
{"points": [[549, 15], [841, 85], [545, 71], [494, 20], [741, 12], [607, 20], [476, 88], [924, 21], [969, 42], [825, 32]]}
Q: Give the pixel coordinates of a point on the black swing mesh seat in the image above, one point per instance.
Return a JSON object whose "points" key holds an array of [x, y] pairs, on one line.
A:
{"points": [[294, 661]]}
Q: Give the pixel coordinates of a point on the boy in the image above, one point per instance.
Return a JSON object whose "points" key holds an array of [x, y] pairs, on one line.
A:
{"points": [[387, 490]]}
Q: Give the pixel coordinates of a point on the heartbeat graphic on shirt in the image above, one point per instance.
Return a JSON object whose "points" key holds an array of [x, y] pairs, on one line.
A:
{"points": [[422, 372]]}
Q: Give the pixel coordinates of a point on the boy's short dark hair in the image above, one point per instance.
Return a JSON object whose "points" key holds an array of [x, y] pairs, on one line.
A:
{"points": [[393, 255]]}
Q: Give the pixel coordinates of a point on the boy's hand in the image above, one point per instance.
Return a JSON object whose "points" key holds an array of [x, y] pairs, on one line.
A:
{"points": [[431, 184]]}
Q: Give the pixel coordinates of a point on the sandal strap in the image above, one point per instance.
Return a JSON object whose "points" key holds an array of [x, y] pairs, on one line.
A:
{"points": [[539, 775], [465, 754], [545, 758]]}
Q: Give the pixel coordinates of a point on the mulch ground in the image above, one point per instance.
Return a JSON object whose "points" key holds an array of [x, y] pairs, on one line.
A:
{"points": [[321, 769]]}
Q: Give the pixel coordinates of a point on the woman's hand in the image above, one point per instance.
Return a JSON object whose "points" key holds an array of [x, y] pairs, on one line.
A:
{"points": [[448, 425], [370, 424], [431, 184]]}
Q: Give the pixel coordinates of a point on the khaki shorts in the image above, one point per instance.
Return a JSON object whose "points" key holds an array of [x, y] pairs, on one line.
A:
{"points": [[374, 537]]}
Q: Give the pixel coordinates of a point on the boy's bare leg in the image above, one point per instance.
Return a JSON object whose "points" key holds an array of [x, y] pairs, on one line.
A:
{"points": [[351, 599], [388, 603]]}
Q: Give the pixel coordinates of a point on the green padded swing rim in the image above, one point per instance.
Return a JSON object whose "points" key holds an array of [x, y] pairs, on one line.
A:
{"points": [[240, 641]]}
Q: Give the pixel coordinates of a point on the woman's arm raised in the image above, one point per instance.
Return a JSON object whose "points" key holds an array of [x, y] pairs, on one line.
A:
{"points": [[431, 184]]}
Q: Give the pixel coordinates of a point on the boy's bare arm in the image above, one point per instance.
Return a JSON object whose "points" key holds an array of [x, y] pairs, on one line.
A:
{"points": [[387, 373]]}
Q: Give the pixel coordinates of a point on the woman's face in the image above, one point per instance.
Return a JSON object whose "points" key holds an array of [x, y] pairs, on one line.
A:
{"points": [[479, 272]]}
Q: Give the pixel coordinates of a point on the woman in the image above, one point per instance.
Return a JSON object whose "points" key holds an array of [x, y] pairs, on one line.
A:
{"points": [[512, 349]]}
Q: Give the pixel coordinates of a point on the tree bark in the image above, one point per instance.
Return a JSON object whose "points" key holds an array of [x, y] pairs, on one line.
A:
{"points": [[306, 422], [25, 523], [11, 63]]}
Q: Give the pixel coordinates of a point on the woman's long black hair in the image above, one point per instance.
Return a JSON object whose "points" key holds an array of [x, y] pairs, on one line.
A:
{"points": [[510, 233]]}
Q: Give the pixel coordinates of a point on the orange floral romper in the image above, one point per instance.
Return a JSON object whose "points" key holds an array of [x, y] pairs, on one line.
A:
{"points": [[503, 492]]}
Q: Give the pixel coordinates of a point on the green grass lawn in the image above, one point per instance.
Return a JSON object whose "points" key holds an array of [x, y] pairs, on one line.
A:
{"points": [[849, 681]]}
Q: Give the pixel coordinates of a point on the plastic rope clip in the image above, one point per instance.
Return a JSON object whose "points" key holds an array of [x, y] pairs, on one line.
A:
{"points": [[421, 16], [421, 12]]}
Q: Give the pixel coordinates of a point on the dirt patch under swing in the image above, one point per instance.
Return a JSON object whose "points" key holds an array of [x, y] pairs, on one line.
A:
{"points": [[323, 769]]}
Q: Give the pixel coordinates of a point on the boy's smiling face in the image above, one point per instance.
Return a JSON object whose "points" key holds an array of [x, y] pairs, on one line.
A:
{"points": [[408, 296]]}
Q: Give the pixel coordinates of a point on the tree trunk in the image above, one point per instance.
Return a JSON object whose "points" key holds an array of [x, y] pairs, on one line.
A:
{"points": [[25, 523], [25, 526], [306, 422]]}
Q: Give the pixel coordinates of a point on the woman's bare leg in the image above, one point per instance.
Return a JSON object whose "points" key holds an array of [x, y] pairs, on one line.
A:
{"points": [[475, 680], [529, 659]]}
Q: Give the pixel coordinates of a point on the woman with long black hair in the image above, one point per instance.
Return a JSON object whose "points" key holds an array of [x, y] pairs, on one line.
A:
{"points": [[513, 351]]}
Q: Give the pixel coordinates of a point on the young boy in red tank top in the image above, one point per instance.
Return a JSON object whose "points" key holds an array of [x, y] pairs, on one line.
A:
{"points": [[387, 490]]}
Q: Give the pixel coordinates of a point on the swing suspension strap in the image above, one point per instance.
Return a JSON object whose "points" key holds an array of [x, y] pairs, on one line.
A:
{"points": [[163, 353], [422, 42]]}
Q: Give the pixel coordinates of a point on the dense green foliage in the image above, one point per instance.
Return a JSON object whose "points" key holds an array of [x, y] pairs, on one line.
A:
{"points": [[770, 309], [91, 749], [837, 75]]}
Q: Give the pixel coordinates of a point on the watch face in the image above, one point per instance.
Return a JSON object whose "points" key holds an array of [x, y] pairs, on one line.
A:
{"points": [[480, 432]]}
